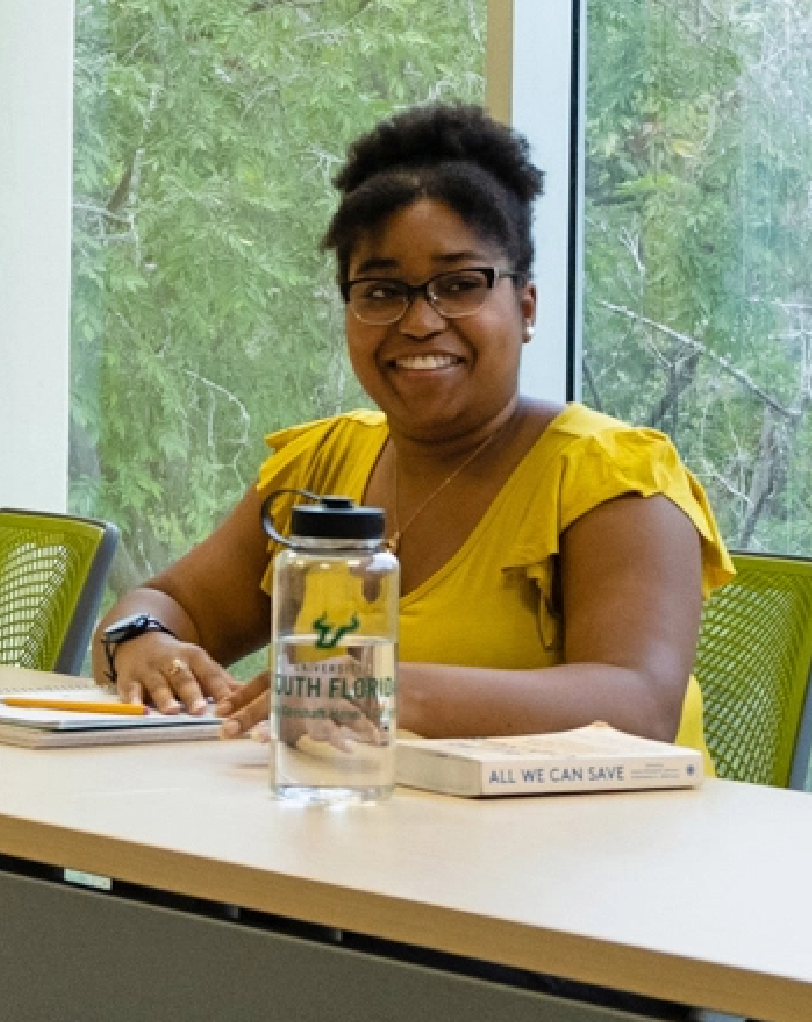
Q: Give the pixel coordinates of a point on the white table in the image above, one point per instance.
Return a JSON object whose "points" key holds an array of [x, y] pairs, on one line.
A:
{"points": [[701, 897]]}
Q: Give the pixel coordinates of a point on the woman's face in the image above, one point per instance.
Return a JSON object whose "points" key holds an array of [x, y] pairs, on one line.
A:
{"points": [[435, 377]]}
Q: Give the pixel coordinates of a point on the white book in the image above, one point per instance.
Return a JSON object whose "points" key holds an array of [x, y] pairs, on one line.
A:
{"points": [[16, 679], [60, 728], [593, 758]]}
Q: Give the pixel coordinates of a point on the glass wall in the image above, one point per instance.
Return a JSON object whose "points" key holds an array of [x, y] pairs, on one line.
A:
{"points": [[698, 284], [204, 315]]}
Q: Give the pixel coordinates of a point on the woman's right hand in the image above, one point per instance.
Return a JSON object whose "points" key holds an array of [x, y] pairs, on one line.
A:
{"points": [[170, 675]]}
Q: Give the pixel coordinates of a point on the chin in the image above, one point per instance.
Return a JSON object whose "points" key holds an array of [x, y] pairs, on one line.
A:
{"points": [[431, 426]]}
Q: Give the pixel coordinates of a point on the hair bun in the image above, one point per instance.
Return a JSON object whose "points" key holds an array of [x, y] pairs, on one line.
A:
{"points": [[440, 133]]}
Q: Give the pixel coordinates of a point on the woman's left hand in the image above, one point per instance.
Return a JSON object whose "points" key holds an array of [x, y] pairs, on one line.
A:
{"points": [[245, 708], [338, 721]]}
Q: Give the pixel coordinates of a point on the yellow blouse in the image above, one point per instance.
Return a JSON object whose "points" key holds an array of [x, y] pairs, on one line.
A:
{"points": [[491, 604]]}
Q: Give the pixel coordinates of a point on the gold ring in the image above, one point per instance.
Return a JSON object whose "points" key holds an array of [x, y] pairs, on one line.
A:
{"points": [[177, 665]]}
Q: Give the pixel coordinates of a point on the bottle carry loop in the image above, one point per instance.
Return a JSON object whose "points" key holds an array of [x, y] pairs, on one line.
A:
{"points": [[331, 517], [267, 520]]}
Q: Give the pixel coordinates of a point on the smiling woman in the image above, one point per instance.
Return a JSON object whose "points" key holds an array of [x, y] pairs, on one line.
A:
{"points": [[553, 560], [436, 375]]}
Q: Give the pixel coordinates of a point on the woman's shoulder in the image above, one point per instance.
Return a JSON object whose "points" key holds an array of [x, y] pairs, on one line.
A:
{"points": [[584, 458], [582, 436], [572, 432], [593, 450], [325, 453], [577, 420], [359, 421]]}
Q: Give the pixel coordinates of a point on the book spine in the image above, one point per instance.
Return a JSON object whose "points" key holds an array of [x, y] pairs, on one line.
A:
{"points": [[517, 776]]}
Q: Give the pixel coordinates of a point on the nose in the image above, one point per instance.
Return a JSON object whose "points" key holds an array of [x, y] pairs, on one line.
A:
{"points": [[421, 319]]}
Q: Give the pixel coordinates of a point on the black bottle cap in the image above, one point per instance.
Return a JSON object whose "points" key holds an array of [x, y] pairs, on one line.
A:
{"points": [[337, 518]]}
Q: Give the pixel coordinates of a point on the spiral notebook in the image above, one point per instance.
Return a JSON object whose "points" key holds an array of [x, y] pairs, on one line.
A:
{"points": [[57, 728]]}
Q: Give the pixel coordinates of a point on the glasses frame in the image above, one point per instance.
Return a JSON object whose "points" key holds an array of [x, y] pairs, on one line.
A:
{"points": [[492, 274]]}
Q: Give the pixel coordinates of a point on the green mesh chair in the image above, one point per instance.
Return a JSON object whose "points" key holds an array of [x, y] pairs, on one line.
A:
{"points": [[753, 664], [52, 573]]}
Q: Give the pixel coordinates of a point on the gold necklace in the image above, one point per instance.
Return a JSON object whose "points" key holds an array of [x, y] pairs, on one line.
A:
{"points": [[393, 543]]}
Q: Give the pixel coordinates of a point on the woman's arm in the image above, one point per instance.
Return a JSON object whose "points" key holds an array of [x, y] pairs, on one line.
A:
{"points": [[211, 600], [631, 592]]}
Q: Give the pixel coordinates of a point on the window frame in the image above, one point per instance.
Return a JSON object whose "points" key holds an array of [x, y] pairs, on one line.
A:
{"points": [[536, 81]]}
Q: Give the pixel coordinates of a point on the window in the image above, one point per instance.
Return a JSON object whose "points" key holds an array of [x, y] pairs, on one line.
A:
{"points": [[698, 269], [204, 315]]}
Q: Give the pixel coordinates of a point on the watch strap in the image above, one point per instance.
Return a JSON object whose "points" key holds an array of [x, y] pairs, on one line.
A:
{"points": [[148, 623]]}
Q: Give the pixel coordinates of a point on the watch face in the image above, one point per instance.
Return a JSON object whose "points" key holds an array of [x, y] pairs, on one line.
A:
{"points": [[127, 627]]}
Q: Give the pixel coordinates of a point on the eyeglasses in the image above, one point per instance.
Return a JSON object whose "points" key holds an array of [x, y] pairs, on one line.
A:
{"points": [[455, 293]]}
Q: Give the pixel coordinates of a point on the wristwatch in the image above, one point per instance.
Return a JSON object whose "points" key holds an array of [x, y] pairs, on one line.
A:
{"points": [[125, 629]]}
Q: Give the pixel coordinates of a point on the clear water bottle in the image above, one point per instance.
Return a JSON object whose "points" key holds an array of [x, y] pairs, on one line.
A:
{"points": [[333, 691]]}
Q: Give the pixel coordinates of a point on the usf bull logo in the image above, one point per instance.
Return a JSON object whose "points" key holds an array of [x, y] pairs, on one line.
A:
{"points": [[330, 635]]}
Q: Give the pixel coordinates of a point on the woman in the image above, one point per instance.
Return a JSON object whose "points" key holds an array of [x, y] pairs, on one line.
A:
{"points": [[553, 560]]}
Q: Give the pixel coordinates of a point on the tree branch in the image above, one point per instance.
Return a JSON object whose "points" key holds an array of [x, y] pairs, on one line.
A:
{"points": [[681, 379], [591, 382], [763, 479], [689, 342]]}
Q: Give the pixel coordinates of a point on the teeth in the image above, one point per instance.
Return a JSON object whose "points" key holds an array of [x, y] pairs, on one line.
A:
{"points": [[426, 361]]}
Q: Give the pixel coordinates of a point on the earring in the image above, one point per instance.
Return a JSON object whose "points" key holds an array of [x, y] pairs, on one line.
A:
{"points": [[529, 331]]}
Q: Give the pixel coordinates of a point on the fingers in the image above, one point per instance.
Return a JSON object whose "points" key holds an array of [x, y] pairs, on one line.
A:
{"points": [[241, 721], [362, 729], [162, 693], [328, 731], [253, 720], [170, 675], [212, 680], [340, 723], [245, 706], [133, 693], [182, 686], [340, 736], [240, 696], [261, 732]]}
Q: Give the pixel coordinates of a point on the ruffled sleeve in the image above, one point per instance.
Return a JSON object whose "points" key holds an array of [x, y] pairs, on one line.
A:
{"points": [[586, 458], [624, 460]]}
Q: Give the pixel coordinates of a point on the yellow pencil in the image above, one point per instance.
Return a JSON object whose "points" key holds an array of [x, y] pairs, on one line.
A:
{"points": [[48, 703]]}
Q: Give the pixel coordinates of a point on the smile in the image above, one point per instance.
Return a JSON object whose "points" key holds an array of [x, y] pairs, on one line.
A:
{"points": [[426, 361]]}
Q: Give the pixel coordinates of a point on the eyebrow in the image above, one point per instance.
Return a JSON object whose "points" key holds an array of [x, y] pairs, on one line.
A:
{"points": [[448, 259]]}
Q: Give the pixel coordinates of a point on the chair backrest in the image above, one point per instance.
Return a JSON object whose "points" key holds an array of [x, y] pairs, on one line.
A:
{"points": [[52, 573], [753, 665]]}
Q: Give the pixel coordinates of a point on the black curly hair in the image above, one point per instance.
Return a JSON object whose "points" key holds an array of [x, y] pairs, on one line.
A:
{"points": [[454, 153]]}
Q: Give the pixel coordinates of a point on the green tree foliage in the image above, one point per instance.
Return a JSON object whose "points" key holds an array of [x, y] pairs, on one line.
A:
{"points": [[698, 269], [204, 315]]}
